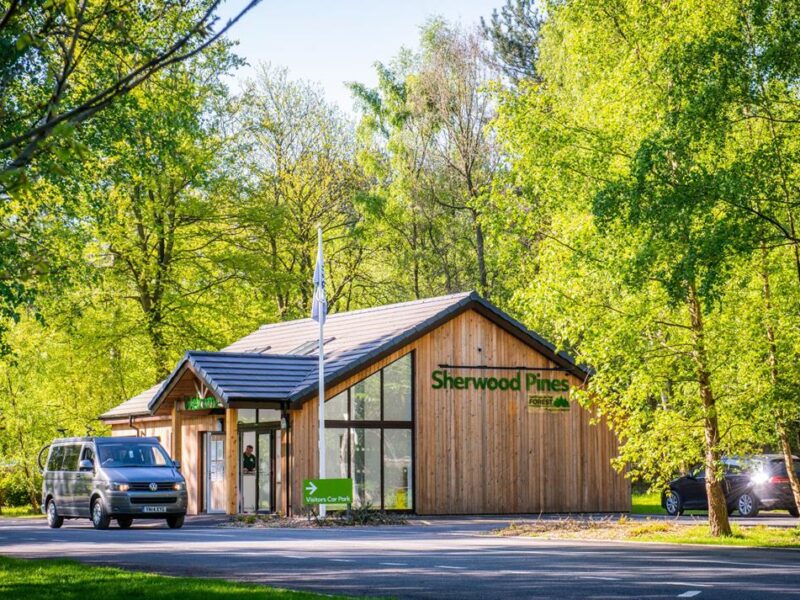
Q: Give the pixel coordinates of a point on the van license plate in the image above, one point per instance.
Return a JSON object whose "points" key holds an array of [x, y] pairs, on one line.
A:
{"points": [[154, 509]]}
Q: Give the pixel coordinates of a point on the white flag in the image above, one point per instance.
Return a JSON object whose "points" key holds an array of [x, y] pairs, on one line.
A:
{"points": [[319, 305]]}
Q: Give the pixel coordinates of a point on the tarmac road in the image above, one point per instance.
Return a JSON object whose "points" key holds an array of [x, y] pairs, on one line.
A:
{"points": [[442, 558]]}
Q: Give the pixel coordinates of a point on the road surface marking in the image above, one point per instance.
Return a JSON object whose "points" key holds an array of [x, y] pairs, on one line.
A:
{"points": [[448, 567], [689, 594], [599, 577], [394, 564], [342, 559], [680, 583]]}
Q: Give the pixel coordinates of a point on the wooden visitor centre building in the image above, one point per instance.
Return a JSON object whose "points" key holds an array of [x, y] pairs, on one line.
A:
{"points": [[440, 406]]}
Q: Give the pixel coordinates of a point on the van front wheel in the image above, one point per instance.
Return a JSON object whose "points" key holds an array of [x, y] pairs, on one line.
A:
{"points": [[175, 521], [53, 519], [100, 518]]}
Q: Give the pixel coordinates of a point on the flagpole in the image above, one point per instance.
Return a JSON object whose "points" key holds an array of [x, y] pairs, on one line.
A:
{"points": [[321, 370]]}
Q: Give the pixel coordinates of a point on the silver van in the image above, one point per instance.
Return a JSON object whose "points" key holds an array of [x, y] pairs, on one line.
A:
{"points": [[104, 478]]}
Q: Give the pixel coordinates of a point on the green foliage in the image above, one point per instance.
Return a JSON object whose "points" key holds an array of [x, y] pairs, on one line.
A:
{"points": [[424, 139], [650, 168]]}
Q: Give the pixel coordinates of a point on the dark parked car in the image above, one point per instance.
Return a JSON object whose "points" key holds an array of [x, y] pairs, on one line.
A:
{"points": [[104, 478], [752, 483]]}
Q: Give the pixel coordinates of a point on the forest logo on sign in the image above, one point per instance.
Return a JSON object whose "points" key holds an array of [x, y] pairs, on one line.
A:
{"points": [[542, 402]]}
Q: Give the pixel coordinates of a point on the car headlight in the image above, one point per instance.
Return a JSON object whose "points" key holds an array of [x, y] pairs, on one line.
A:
{"points": [[759, 477], [179, 486], [120, 487]]}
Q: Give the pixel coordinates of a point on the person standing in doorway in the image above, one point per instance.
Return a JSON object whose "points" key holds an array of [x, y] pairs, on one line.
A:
{"points": [[248, 461]]}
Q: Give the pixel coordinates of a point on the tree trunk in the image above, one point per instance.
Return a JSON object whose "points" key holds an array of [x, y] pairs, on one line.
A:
{"points": [[780, 419], [786, 447], [155, 332], [717, 506], [480, 247]]}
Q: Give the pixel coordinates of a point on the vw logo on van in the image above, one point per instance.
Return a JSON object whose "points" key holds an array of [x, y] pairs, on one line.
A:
{"points": [[153, 487]]}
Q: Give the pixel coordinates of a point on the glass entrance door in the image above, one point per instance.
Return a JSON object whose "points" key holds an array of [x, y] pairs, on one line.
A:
{"points": [[215, 472], [257, 481]]}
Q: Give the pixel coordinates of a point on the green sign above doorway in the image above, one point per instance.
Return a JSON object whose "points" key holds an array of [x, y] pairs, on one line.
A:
{"points": [[201, 403], [327, 491]]}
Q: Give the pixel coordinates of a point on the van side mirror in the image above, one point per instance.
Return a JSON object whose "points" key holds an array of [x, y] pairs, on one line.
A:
{"points": [[86, 465], [176, 464]]}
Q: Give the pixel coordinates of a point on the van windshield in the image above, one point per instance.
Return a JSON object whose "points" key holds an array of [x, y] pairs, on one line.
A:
{"points": [[132, 455]]}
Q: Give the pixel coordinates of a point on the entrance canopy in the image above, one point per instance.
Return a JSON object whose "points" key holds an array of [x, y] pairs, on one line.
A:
{"points": [[245, 377]]}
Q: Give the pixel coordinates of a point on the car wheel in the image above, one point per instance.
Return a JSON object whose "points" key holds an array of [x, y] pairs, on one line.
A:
{"points": [[100, 518], [794, 512], [53, 519], [673, 503], [124, 522], [747, 505], [175, 521]]}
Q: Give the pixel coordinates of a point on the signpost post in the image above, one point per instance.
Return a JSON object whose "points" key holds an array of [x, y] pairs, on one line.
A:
{"points": [[319, 311]]}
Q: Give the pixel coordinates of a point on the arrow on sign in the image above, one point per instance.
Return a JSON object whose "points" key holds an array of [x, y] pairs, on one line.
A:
{"points": [[311, 487]]}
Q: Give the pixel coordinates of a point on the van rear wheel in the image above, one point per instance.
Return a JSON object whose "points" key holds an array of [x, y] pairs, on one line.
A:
{"points": [[124, 522], [175, 521], [100, 518], [53, 519]]}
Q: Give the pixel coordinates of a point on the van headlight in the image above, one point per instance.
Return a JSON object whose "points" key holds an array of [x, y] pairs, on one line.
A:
{"points": [[120, 487], [179, 486]]}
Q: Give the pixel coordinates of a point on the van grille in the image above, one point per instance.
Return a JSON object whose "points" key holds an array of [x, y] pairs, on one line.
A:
{"points": [[144, 486], [152, 500]]}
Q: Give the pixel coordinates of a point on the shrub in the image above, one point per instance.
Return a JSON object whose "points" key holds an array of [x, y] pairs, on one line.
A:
{"points": [[13, 490]]}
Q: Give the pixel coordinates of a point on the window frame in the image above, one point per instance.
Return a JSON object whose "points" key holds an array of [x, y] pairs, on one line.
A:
{"points": [[381, 425]]}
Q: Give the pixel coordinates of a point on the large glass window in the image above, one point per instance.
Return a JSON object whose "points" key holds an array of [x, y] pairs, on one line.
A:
{"points": [[397, 469], [336, 409], [366, 399], [365, 466], [369, 437], [397, 390], [336, 452]]}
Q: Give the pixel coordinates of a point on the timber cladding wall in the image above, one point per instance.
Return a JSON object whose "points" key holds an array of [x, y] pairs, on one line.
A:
{"points": [[484, 451]]}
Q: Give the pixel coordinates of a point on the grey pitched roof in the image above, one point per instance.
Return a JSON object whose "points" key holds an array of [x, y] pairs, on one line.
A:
{"points": [[353, 340], [245, 376], [136, 406]]}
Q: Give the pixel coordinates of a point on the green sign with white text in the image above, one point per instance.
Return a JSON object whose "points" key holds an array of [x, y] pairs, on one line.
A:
{"points": [[201, 403], [327, 491]]}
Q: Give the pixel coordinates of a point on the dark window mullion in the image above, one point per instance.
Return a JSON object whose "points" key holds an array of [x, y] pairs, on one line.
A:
{"points": [[372, 424]]}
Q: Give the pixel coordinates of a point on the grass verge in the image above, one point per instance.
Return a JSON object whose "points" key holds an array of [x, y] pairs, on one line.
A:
{"points": [[624, 529], [67, 579]]}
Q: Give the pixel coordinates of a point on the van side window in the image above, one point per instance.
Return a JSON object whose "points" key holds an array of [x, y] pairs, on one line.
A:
{"points": [[56, 458], [71, 453], [88, 454]]}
